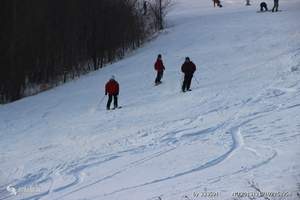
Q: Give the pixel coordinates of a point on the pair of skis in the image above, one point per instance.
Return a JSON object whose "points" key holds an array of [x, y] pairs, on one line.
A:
{"points": [[259, 11], [100, 102], [119, 107], [158, 83]]}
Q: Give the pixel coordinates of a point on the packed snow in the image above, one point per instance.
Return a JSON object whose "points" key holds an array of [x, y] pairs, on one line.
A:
{"points": [[236, 134]]}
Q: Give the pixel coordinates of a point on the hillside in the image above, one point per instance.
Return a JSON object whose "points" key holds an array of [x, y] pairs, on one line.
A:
{"points": [[237, 131]]}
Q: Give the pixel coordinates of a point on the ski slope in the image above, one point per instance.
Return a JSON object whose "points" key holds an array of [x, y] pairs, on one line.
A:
{"points": [[237, 131]]}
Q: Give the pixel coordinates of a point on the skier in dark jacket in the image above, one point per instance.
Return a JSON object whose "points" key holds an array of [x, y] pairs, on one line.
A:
{"points": [[218, 3], [145, 6], [112, 89], [263, 6], [159, 67], [275, 7], [188, 68]]}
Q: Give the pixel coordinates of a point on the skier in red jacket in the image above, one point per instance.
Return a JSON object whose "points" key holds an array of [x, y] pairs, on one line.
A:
{"points": [[188, 68], [112, 89], [159, 67]]}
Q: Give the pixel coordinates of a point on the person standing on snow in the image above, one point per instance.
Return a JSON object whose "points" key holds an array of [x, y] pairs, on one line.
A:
{"points": [[188, 68], [145, 7], [217, 2], [263, 7], [112, 89], [276, 4], [159, 67]]}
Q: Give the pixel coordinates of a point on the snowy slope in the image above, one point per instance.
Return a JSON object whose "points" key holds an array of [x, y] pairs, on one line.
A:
{"points": [[239, 129]]}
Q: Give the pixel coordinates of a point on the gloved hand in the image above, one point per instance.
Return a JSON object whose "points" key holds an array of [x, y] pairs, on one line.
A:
{"points": [[105, 93]]}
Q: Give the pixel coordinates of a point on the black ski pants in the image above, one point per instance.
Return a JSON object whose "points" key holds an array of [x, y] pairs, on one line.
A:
{"points": [[276, 5], [110, 97], [187, 82], [159, 76]]}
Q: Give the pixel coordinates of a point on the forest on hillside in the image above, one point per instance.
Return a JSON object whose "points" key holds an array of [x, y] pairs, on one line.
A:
{"points": [[45, 43]]}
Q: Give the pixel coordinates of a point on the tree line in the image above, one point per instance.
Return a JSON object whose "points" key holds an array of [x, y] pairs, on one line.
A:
{"points": [[46, 42]]}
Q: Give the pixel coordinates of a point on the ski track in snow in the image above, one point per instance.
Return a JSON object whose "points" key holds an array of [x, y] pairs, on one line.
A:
{"points": [[237, 142]]}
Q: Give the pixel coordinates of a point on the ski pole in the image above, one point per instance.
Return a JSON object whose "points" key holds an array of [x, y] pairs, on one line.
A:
{"points": [[100, 102], [197, 81], [181, 81], [96, 105]]}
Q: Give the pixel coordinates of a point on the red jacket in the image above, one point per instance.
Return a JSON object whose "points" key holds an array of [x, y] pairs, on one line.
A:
{"points": [[188, 68], [112, 87], [159, 66]]}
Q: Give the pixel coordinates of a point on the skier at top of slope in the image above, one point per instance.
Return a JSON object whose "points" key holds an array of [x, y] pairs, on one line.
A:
{"points": [[218, 3], [188, 68]]}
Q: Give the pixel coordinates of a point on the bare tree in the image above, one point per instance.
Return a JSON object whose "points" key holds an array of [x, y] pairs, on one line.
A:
{"points": [[160, 9]]}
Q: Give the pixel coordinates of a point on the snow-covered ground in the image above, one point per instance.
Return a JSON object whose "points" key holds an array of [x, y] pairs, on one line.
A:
{"points": [[237, 131]]}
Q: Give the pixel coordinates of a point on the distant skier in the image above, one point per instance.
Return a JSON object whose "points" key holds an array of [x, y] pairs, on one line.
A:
{"points": [[263, 6], [145, 7], [218, 3], [112, 89], [248, 3], [159, 67], [188, 68], [276, 5]]}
